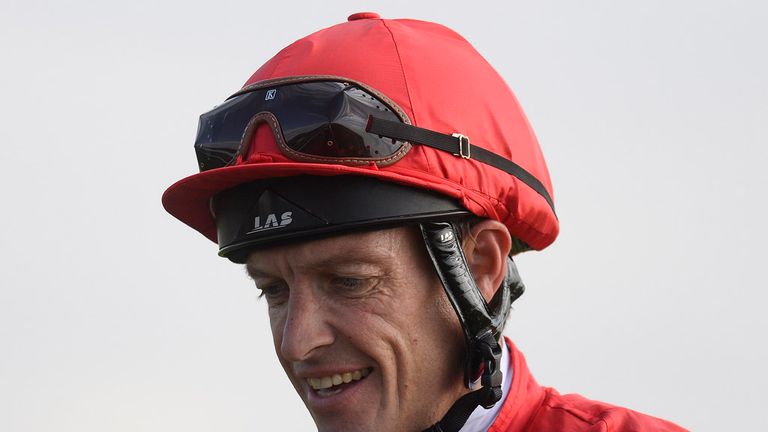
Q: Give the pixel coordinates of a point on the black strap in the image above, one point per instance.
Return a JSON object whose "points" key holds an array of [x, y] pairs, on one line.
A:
{"points": [[487, 396], [458, 145], [459, 413], [480, 328]]}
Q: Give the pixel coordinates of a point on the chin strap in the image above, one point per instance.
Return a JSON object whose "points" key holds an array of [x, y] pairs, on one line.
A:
{"points": [[482, 328], [487, 396]]}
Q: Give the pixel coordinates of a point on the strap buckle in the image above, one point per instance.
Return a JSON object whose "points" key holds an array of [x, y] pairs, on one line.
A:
{"points": [[492, 378], [464, 146]]}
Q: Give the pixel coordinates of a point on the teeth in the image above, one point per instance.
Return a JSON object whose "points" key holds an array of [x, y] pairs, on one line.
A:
{"points": [[326, 382], [337, 379]]}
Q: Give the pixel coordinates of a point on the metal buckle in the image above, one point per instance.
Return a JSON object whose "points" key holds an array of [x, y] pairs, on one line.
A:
{"points": [[464, 146]]}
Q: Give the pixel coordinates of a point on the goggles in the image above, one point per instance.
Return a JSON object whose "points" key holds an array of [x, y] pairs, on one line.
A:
{"points": [[329, 120], [319, 121]]}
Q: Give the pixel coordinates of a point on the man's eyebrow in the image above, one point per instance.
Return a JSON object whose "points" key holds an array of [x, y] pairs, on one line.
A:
{"points": [[254, 272], [341, 261], [366, 258]]}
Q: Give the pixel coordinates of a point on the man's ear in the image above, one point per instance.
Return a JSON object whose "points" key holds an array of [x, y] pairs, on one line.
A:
{"points": [[486, 248]]}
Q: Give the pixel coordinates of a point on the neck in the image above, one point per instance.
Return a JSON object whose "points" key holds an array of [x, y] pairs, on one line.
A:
{"points": [[481, 418]]}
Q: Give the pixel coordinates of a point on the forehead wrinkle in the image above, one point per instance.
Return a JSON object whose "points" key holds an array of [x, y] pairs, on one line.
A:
{"points": [[345, 253], [339, 262], [373, 248]]}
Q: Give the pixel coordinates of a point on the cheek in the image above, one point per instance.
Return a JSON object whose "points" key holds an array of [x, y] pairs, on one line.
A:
{"points": [[447, 328], [276, 325], [431, 330]]}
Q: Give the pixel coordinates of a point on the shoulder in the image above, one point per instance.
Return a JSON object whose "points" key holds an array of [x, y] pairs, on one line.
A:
{"points": [[531, 407], [573, 412]]}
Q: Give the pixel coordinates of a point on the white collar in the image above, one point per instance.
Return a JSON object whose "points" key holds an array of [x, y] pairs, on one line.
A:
{"points": [[481, 419]]}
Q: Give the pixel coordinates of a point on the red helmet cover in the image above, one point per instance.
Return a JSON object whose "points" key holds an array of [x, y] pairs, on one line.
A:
{"points": [[443, 84]]}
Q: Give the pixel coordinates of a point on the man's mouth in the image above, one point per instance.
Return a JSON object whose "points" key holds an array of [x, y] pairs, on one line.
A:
{"points": [[330, 385]]}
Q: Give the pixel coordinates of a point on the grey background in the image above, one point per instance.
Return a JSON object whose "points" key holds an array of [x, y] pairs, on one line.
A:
{"points": [[114, 316]]}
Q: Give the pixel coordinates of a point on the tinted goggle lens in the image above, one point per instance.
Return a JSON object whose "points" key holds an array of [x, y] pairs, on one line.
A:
{"points": [[321, 119]]}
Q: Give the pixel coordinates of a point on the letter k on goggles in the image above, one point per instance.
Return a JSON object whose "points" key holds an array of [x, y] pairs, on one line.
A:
{"points": [[328, 120]]}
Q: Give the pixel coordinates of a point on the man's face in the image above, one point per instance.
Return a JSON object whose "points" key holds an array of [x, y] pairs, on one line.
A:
{"points": [[365, 310]]}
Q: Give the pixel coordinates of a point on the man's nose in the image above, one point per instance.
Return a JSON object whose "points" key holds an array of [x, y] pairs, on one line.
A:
{"points": [[306, 328]]}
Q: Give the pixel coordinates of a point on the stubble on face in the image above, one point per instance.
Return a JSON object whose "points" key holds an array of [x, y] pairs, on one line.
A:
{"points": [[364, 301]]}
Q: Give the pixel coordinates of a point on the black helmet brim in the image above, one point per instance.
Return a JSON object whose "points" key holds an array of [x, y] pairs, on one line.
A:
{"points": [[279, 210]]}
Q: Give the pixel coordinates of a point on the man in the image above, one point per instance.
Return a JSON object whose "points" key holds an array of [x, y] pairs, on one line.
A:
{"points": [[343, 176]]}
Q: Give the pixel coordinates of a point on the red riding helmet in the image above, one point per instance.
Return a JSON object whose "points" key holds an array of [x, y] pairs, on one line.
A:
{"points": [[373, 123]]}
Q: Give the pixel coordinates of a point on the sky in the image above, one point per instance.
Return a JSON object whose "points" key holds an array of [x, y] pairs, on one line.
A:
{"points": [[651, 115]]}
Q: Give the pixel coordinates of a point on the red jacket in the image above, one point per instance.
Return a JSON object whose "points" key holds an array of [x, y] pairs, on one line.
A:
{"points": [[530, 407]]}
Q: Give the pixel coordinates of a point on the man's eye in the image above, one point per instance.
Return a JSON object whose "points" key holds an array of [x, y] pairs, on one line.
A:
{"points": [[350, 284], [273, 292]]}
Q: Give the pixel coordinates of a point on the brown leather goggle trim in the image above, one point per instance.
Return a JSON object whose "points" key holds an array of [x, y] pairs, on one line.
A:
{"points": [[270, 119]]}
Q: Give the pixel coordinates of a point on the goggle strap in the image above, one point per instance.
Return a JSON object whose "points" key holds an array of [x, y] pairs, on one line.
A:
{"points": [[458, 145]]}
